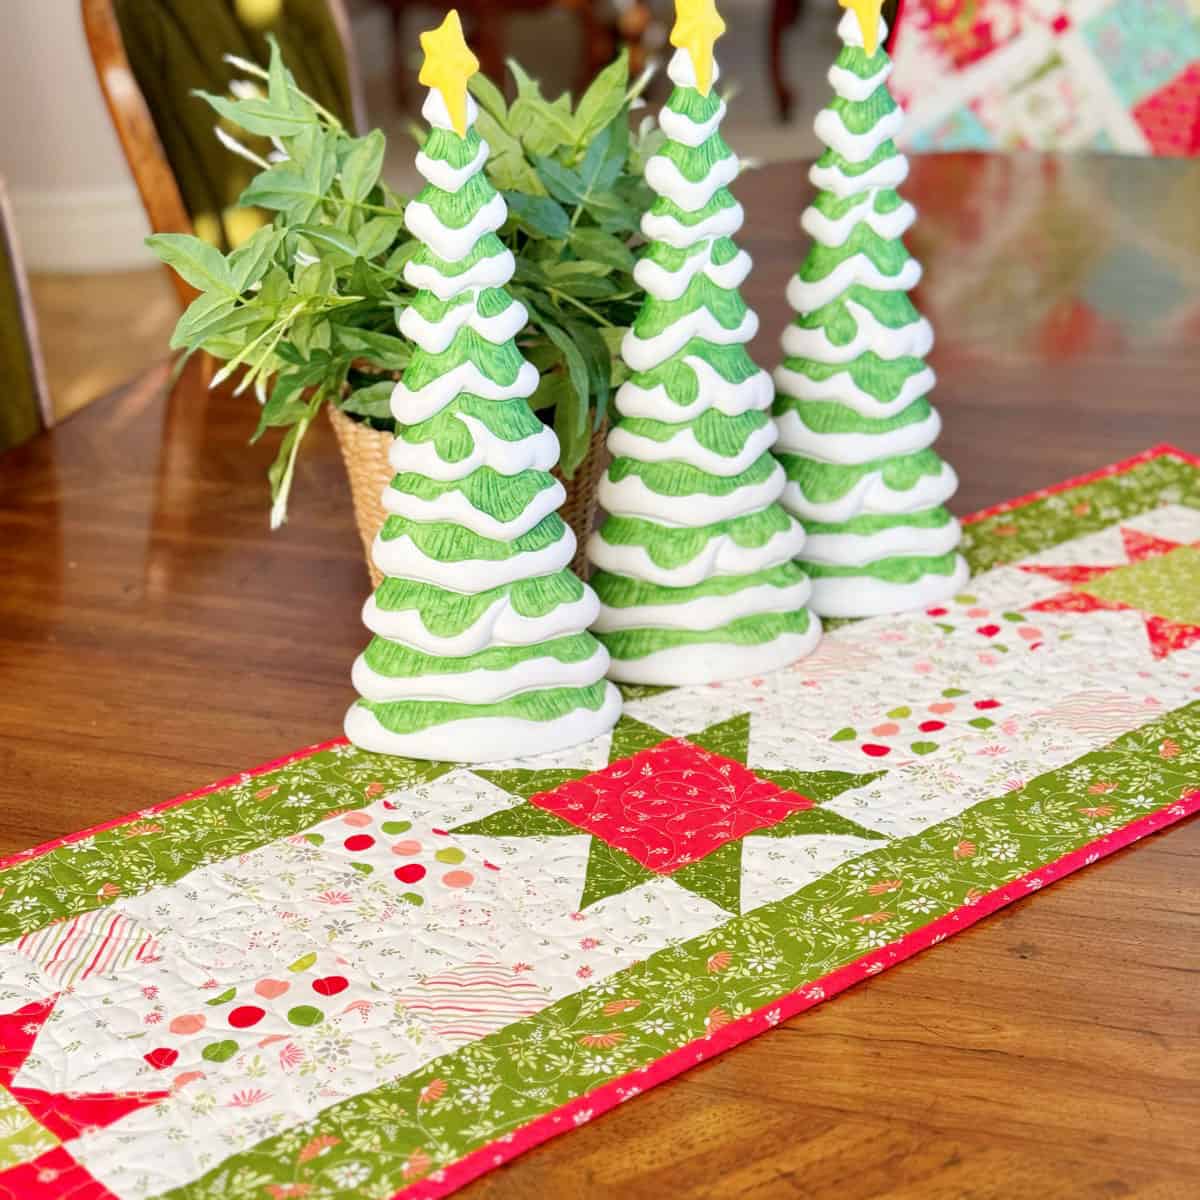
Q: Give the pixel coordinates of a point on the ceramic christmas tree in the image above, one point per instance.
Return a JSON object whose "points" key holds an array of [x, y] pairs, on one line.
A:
{"points": [[480, 649], [696, 578], [855, 423]]}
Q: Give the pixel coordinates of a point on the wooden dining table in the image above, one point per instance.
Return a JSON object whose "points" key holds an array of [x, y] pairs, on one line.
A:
{"points": [[155, 635]]}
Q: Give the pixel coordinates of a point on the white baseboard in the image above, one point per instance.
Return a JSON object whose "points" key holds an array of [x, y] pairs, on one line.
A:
{"points": [[97, 229]]}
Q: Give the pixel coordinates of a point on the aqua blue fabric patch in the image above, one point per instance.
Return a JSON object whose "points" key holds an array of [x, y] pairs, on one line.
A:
{"points": [[1143, 44]]}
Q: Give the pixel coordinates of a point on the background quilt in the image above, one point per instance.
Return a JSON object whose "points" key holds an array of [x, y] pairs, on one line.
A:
{"points": [[1111, 75], [348, 976]]}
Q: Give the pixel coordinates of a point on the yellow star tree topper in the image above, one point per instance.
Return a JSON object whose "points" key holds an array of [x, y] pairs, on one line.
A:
{"points": [[867, 12], [697, 27], [448, 65]]}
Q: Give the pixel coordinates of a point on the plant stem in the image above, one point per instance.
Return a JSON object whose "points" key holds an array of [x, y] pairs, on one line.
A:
{"points": [[591, 312]]}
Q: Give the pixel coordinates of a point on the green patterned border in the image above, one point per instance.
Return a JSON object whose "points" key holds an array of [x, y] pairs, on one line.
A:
{"points": [[406, 1129], [163, 844], [1048, 518]]}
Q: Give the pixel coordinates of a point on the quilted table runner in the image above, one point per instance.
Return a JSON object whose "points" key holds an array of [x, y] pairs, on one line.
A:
{"points": [[1061, 75], [343, 975]]}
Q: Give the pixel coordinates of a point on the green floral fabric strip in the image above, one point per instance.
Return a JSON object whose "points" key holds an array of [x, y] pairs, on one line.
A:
{"points": [[162, 847], [22, 1139], [1088, 508], [402, 1131]]}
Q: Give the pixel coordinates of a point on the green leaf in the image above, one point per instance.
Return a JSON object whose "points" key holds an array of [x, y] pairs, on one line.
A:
{"points": [[250, 261], [298, 194], [374, 401], [512, 172], [260, 116], [206, 309], [325, 236], [572, 434], [613, 336], [528, 88], [619, 142], [365, 281], [302, 964], [282, 189], [283, 469], [195, 261], [600, 170], [530, 274], [223, 998], [282, 406], [378, 234], [302, 144], [597, 359], [573, 359], [556, 394], [401, 255], [280, 83], [499, 138], [316, 279], [300, 334], [610, 212], [275, 287], [561, 182], [604, 99], [507, 167], [544, 127], [591, 245], [567, 273], [385, 351], [490, 98], [585, 287], [247, 322], [554, 386], [362, 165], [577, 373], [539, 214]]}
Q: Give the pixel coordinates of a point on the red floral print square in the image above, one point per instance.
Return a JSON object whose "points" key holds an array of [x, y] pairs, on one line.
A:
{"points": [[671, 805]]}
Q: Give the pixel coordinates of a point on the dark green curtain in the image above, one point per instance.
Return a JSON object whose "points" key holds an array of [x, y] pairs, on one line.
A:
{"points": [[20, 418], [175, 46]]}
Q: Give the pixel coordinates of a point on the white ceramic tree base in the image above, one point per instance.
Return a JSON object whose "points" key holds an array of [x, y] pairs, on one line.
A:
{"points": [[484, 739], [865, 597], [689, 665]]}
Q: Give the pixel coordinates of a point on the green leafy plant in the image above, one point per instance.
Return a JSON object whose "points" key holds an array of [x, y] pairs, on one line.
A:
{"points": [[306, 309], [573, 180]]}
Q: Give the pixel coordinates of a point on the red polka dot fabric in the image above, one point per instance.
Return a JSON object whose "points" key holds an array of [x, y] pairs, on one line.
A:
{"points": [[1170, 118]]}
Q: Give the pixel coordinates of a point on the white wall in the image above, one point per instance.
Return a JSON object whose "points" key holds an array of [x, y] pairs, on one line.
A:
{"points": [[76, 206]]}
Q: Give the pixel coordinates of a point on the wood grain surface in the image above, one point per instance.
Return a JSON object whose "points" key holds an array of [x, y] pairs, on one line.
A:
{"points": [[154, 636]]}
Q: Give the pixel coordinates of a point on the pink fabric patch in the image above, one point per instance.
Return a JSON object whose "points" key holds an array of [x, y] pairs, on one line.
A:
{"points": [[1170, 117], [68, 1116], [18, 1032], [671, 805], [54, 1175]]}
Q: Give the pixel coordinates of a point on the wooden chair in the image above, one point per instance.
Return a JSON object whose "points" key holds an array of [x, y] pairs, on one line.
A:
{"points": [[25, 407], [149, 57]]}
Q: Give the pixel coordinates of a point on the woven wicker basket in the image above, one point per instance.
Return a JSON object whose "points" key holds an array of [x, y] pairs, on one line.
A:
{"points": [[365, 451]]}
